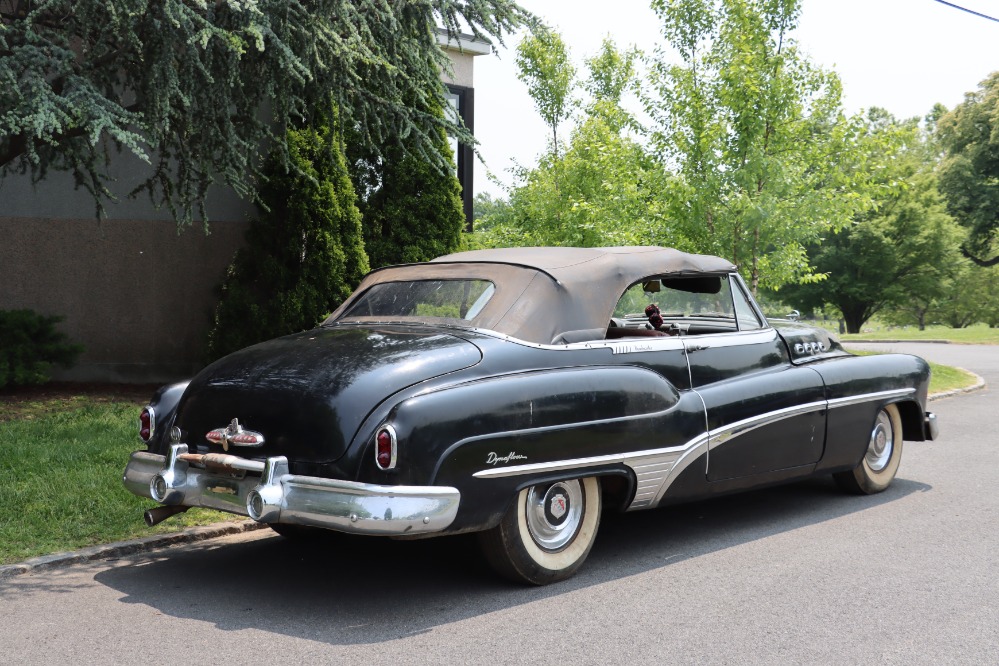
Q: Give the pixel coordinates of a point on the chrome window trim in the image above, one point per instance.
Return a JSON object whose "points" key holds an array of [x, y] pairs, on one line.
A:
{"points": [[668, 343]]}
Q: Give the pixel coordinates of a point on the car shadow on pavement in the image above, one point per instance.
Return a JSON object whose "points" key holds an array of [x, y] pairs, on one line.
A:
{"points": [[358, 590]]}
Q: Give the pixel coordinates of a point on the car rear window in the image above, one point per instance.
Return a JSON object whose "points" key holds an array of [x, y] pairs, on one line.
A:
{"points": [[439, 299]]}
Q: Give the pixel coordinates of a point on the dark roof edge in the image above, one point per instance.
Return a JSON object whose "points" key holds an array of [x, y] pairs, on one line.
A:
{"points": [[471, 261]]}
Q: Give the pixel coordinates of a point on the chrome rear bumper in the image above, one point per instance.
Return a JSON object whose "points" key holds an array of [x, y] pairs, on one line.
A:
{"points": [[267, 493]]}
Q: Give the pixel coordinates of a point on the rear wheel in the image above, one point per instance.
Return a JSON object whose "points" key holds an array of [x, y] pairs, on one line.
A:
{"points": [[880, 463], [547, 533]]}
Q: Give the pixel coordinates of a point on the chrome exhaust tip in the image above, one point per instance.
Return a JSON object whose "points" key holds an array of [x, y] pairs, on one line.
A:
{"points": [[159, 514]]}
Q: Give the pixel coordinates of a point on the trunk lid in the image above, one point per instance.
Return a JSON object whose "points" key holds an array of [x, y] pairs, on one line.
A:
{"points": [[308, 393]]}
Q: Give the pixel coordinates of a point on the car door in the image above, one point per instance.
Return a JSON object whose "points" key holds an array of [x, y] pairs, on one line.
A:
{"points": [[763, 414]]}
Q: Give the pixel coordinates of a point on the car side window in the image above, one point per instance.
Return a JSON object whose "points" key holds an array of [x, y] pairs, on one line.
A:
{"points": [[744, 313], [676, 305]]}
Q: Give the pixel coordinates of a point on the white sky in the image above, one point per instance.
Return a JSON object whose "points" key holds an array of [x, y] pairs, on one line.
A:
{"points": [[903, 55]]}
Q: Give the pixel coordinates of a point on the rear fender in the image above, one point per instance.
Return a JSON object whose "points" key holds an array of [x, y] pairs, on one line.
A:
{"points": [[164, 404], [543, 426]]}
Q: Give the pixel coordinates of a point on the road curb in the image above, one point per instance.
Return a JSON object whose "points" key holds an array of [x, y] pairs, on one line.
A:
{"points": [[978, 385], [121, 548]]}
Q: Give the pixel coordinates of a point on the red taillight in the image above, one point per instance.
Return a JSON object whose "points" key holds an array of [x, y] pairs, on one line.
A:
{"points": [[147, 424], [385, 447]]}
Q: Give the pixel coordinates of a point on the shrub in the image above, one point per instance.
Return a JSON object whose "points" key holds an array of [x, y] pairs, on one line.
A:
{"points": [[305, 253], [412, 211], [29, 347]]}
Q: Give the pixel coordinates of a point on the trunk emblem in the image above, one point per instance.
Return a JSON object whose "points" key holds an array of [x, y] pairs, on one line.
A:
{"points": [[235, 435]]}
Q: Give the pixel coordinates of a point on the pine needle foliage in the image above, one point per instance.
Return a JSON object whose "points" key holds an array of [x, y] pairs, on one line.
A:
{"points": [[413, 211], [30, 345], [303, 256], [200, 88]]}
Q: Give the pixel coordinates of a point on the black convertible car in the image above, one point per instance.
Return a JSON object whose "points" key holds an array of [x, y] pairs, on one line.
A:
{"points": [[517, 393]]}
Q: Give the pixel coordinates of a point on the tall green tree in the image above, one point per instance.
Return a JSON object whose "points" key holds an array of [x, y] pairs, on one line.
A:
{"points": [[969, 172], [412, 211], [596, 191], [755, 135], [970, 297], [901, 253], [200, 88], [543, 64], [304, 255]]}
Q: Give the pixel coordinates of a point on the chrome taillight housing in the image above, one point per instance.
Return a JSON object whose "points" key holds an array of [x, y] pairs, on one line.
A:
{"points": [[147, 424], [386, 447]]}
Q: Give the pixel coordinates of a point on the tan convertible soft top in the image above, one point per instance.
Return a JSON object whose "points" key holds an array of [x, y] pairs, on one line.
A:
{"points": [[543, 292]]}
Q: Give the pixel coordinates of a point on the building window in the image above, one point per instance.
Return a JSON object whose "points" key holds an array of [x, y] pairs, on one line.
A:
{"points": [[461, 102]]}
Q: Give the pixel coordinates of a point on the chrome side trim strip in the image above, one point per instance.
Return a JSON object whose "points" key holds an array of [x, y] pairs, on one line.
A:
{"points": [[721, 435], [634, 346], [630, 459], [869, 397], [693, 453], [656, 469], [652, 468]]}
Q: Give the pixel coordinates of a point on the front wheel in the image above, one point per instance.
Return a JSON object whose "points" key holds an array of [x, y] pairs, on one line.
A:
{"points": [[547, 533], [880, 463]]}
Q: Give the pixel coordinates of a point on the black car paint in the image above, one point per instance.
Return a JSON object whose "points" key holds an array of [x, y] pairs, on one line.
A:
{"points": [[308, 393], [468, 394]]}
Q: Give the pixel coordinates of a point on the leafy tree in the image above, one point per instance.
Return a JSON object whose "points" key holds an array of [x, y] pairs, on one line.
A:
{"points": [[969, 172], [901, 253], [972, 296], [305, 253], [762, 154], [412, 211], [489, 212], [544, 65], [199, 88], [597, 193], [598, 190]]}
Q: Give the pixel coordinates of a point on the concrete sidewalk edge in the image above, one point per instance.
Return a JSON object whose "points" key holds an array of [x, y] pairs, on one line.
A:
{"points": [[132, 546]]}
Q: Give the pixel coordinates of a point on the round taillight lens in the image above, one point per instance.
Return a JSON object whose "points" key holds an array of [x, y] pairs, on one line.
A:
{"points": [[385, 447], [147, 422]]}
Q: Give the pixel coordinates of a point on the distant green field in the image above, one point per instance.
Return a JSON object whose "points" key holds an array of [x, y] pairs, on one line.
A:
{"points": [[979, 334]]}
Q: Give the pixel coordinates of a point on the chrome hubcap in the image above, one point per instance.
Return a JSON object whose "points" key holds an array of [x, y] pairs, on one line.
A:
{"points": [[882, 442], [554, 513]]}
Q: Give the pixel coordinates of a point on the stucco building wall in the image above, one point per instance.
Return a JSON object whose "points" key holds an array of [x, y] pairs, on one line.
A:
{"points": [[136, 293]]}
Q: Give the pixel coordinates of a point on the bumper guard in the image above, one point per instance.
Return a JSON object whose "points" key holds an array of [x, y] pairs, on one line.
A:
{"points": [[267, 493]]}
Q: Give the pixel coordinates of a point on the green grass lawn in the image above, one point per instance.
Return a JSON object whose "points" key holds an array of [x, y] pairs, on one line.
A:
{"points": [[946, 378], [979, 334], [60, 480]]}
